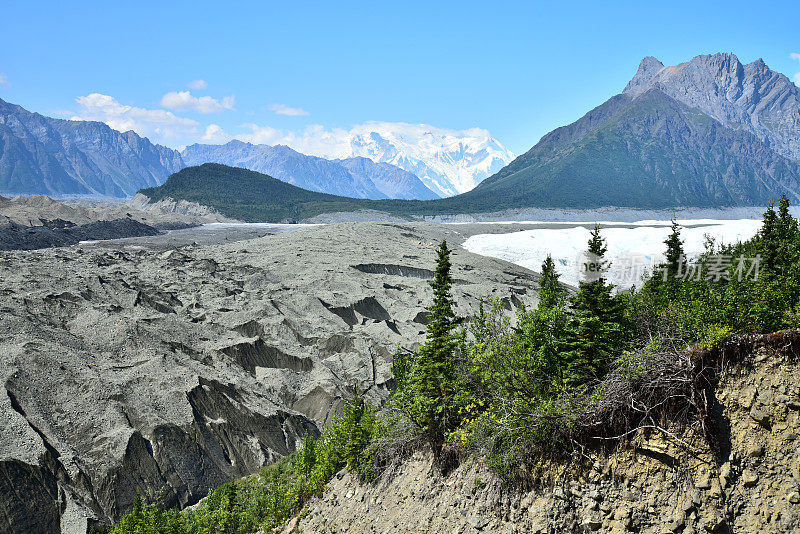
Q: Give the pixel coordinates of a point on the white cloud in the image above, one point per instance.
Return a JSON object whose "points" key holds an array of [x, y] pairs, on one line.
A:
{"points": [[314, 140], [263, 135], [4, 80], [215, 135], [795, 55], [156, 124], [338, 142], [185, 101], [281, 109], [197, 85]]}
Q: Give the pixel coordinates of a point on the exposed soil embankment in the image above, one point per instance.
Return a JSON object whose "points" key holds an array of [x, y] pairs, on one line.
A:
{"points": [[748, 482]]}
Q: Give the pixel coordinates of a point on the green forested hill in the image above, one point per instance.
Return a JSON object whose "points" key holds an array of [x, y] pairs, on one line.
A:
{"points": [[252, 196]]}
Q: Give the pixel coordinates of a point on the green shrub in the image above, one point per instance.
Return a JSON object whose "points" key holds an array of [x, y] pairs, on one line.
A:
{"points": [[278, 491]]}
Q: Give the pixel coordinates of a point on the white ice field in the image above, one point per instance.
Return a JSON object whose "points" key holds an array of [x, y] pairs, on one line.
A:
{"points": [[632, 247]]}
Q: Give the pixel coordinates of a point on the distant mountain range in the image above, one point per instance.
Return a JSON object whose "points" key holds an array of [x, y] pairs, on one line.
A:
{"points": [[708, 133], [447, 162], [711, 132], [45, 156], [42, 155], [353, 177]]}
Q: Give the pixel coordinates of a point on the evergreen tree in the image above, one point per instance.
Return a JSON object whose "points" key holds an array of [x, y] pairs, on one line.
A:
{"points": [[769, 239], [594, 294], [787, 225], [597, 251], [356, 428], [550, 289], [430, 377], [674, 252], [138, 505], [543, 331], [306, 455], [787, 236], [595, 331]]}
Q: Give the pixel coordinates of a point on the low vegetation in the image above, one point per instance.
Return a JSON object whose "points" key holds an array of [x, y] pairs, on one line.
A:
{"points": [[575, 371], [277, 492]]}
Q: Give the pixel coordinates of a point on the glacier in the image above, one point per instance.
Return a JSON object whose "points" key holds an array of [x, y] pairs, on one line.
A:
{"points": [[632, 247]]}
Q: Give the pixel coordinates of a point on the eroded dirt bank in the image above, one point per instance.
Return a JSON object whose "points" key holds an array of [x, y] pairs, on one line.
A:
{"points": [[653, 485]]}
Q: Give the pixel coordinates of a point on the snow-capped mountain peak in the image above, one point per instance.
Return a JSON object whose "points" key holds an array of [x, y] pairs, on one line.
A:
{"points": [[448, 161]]}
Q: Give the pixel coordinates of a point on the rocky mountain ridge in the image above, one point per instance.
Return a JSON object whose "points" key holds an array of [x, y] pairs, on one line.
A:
{"points": [[751, 96], [646, 150], [47, 156], [710, 132], [40, 155]]}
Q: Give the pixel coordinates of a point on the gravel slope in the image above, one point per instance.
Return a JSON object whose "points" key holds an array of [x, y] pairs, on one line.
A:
{"points": [[170, 369]]}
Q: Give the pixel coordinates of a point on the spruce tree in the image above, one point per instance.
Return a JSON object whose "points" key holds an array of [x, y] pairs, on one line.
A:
{"points": [[430, 380], [356, 425], [787, 225], [674, 252], [787, 235], [550, 289], [543, 330], [595, 330], [769, 239], [597, 251]]}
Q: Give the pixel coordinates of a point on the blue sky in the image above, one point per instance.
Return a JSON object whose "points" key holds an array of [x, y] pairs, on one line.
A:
{"points": [[517, 69]]}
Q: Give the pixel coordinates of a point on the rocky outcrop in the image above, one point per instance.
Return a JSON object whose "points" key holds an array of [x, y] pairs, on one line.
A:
{"points": [[749, 483], [171, 370], [192, 210]]}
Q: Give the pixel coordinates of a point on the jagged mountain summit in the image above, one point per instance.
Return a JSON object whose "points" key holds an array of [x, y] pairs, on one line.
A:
{"points": [[449, 162], [707, 133], [750, 97], [44, 156], [356, 178], [643, 151]]}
